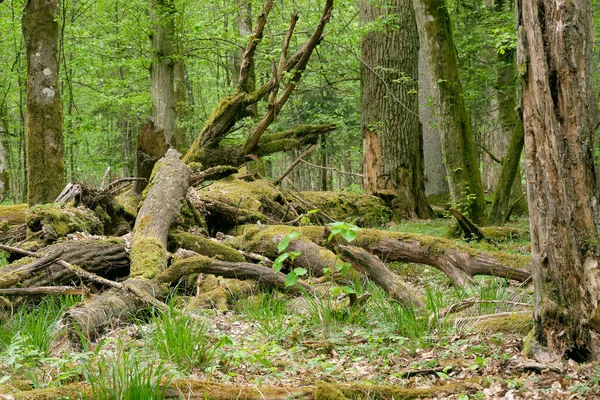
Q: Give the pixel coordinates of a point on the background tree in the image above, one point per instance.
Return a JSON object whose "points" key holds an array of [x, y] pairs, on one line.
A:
{"points": [[45, 166], [560, 117], [392, 140], [453, 120]]}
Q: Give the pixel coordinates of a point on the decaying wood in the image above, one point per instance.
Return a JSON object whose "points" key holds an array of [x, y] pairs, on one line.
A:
{"points": [[45, 290], [296, 162], [459, 262], [393, 285], [159, 210], [152, 145], [238, 270], [471, 230]]}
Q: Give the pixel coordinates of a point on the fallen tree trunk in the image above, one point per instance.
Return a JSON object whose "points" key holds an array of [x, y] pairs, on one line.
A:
{"points": [[393, 285], [459, 262], [164, 198], [106, 258], [237, 270]]}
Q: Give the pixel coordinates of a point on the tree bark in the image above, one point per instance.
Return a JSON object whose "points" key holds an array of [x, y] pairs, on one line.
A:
{"points": [[453, 122], [44, 135], [163, 66], [392, 140], [560, 115]]}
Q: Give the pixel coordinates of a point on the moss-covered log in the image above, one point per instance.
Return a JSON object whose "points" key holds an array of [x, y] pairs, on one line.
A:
{"points": [[196, 389], [14, 214], [292, 139], [237, 270], [106, 258], [163, 201], [459, 262], [105, 311], [232, 202], [393, 285], [56, 220], [203, 246]]}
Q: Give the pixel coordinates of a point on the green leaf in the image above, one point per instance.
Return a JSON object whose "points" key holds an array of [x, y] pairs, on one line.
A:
{"points": [[300, 271], [349, 235], [291, 279], [284, 243], [348, 289], [278, 263]]}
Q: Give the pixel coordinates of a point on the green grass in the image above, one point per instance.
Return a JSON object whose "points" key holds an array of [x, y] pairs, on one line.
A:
{"points": [[126, 376], [183, 340], [33, 325], [268, 312]]}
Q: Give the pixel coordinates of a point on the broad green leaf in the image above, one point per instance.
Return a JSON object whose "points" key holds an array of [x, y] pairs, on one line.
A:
{"points": [[291, 279]]}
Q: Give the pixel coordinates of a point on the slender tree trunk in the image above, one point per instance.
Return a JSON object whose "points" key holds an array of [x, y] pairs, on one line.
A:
{"points": [[453, 122], [560, 115], [163, 64], [181, 108], [44, 140], [392, 140]]}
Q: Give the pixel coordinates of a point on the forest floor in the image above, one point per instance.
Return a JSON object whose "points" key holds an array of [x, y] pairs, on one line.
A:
{"points": [[375, 350]]}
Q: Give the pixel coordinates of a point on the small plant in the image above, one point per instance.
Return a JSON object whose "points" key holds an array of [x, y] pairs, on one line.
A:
{"points": [[344, 229], [292, 277], [126, 377]]}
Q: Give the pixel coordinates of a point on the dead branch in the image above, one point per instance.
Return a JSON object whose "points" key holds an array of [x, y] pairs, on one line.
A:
{"points": [[291, 167]]}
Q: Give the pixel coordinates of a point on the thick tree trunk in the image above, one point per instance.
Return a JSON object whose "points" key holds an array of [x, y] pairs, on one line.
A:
{"points": [[392, 140], [163, 66], [560, 115], [45, 166], [453, 122]]}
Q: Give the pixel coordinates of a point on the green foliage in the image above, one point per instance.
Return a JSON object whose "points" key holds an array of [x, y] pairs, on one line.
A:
{"points": [[348, 231]]}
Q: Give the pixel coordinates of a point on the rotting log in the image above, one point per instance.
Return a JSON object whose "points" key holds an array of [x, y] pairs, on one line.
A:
{"points": [[460, 262], [161, 207], [217, 292], [238, 270], [231, 202], [107, 258], [393, 285], [204, 246], [197, 389]]}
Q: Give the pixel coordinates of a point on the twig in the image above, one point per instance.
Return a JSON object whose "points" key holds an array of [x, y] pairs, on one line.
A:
{"points": [[122, 180], [457, 307], [489, 153], [291, 167], [43, 290]]}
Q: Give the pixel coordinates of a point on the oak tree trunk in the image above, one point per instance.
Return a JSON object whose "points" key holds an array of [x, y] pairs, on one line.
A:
{"points": [[392, 140], [560, 115], [44, 136]]}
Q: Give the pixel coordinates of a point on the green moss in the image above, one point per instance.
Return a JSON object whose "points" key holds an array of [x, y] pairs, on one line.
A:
{"points": [[204, 246], [328, 391], [440, 200], [356, 208], [129, 201], [14, 214], [148, 257], [63, 219], [4, 226], [518, 323]]}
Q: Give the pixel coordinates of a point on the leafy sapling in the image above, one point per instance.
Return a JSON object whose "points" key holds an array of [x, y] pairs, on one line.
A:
{"points": [[292, 277]]}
